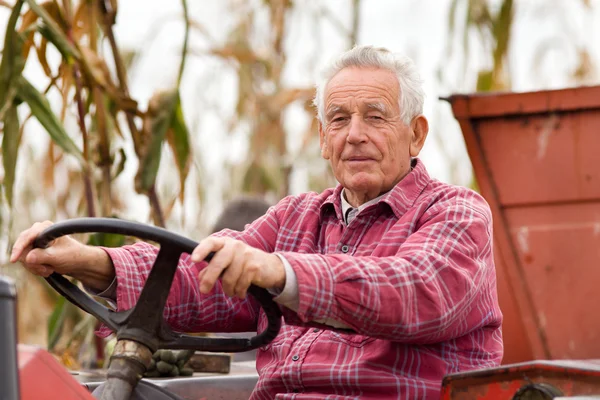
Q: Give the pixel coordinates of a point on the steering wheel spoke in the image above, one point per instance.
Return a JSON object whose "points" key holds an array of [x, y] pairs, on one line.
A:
{"points": [[153, 297], [76, 296]]}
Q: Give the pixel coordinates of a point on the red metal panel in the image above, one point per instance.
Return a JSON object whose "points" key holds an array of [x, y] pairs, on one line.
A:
{"points": [[42, 377], [569, 378], [544, 158], [559, 248], [516, 341], [485, 105], [521, 327], [535, 156]]}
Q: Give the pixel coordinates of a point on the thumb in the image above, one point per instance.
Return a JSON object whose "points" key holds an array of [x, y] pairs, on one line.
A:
{"points": [[40, 256]]}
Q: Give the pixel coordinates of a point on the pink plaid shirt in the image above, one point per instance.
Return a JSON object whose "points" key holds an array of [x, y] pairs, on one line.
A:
{"points": [[413, 275]]}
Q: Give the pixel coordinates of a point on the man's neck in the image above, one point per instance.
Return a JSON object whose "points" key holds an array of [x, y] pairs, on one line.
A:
{"points": [[346, 205], [355, 202]]}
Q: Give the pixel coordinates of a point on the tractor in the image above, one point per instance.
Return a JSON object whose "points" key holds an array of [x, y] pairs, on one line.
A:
{"points": [[534, 156]]}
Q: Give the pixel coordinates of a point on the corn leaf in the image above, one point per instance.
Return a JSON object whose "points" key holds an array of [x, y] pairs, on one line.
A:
{"points": [[178, 139], [120, 166], [41, 55], [10, 148], [50, 166], [40, 108], [82, 23], [585, 67], [95, 67], [56, 322], [156, 124], [501, 30], [106, 240], [452, 17], [52, 31], [12, 60], [257, 179], [29, 20], [184, 51], [28, 29], [485, 80]]}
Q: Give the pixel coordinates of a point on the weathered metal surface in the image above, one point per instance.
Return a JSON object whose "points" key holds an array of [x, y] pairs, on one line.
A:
{"points": [[9, 374], [238, 384], [210, 362], [128, 363], [569, 378], [535, 157]]}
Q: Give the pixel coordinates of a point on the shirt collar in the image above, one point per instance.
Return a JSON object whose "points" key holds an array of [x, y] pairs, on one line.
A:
{"points": [[346, 206], [400, 199], [403, 196]]}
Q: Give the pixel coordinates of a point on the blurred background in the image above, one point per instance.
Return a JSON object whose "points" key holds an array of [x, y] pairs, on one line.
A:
{"points": [[161, 112]]}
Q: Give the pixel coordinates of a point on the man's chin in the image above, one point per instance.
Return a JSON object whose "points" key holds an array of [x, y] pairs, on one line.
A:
{"points": [[363, 186]]}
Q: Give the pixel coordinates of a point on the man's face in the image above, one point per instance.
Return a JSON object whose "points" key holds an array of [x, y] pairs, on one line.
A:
{"points": [[365, 140]]}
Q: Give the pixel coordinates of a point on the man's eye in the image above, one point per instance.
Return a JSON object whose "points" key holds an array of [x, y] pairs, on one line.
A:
{"points": [[374, 117], [338, 119]]}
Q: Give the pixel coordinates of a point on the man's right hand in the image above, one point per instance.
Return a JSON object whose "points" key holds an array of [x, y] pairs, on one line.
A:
{"points": [[66, 256]]}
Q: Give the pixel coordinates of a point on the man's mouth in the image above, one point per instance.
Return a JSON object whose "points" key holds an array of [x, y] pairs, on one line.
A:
{"points": [[359, 159]]}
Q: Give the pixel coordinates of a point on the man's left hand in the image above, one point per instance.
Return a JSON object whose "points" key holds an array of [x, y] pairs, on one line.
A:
{"points": [[238, 265]]}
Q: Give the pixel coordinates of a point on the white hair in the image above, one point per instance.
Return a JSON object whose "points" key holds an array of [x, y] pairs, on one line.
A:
{"points": [[411, 96]]}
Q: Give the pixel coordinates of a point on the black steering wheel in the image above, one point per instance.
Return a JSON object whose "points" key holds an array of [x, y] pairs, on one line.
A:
{"points": [[144, 323]]}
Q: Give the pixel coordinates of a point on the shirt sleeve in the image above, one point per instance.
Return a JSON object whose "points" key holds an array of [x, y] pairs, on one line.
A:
{"points": [[109, 294], [187, 309], [289, 296], [440, 285]]}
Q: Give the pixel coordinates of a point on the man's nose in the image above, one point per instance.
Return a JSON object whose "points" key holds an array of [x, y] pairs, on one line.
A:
{"points": [[356, 131]]}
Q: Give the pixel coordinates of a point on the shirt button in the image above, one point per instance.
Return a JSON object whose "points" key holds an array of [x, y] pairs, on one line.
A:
{"points": [[345, 248], [295, 357], [316, 330], [295, 391]]}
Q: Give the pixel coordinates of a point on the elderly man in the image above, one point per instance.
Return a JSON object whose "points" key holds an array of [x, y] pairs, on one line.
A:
{"points": [[386, 281]]}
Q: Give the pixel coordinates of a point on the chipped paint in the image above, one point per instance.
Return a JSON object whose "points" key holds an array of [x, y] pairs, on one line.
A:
{"points": [[523, 239], [544, 136], [543, 320], [571, 378]]}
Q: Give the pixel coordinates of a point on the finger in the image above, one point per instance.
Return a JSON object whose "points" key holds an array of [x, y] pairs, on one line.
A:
{"points": [[40, 269], [233, 273], [47, 271], [26, 238], [20, 245], [17, 252], [205, 247], [39, 256], [215, 267], [200, 276], [242, 285]]}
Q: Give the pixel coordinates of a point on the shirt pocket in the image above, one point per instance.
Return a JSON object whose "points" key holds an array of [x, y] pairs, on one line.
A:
{"points": [[351, 339]]}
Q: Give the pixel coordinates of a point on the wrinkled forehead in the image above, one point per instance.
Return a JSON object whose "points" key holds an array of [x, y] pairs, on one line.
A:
{"points": [[371, 85]]}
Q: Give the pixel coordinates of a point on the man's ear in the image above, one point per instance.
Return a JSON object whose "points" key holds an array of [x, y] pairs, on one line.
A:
{"points": [[323, 142], [420, 128]]}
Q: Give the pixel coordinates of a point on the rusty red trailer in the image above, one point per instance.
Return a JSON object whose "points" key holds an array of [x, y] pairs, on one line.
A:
{"points": [[535, 158]]}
